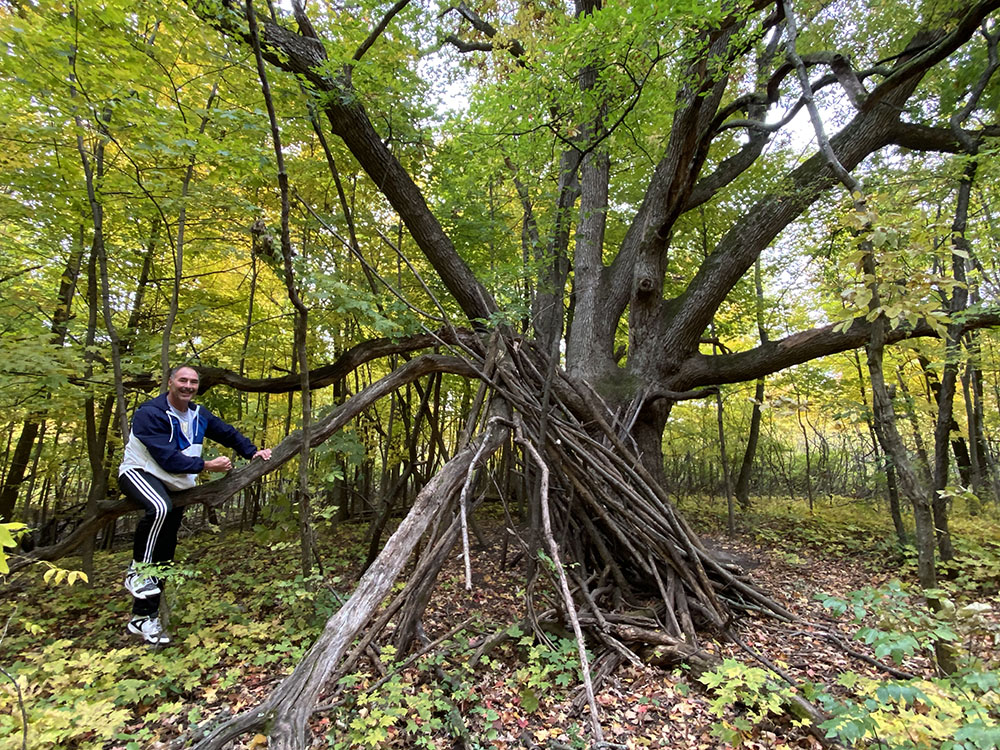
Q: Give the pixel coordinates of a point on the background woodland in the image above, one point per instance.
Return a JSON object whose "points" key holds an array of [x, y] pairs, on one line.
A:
{"points": [[598, 277]]}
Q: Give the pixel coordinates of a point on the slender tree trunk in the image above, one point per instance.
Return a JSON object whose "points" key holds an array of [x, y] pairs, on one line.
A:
{"points": [[923, 462], [33, 476], [306, 531], [15, 470], [946, 393], [808, 452], [909, 482], [172, 310], [746, 467], [892, 490], [18, 467], [726, 475], [972, 386], [5, 457], [249, 326], [884, 414]]}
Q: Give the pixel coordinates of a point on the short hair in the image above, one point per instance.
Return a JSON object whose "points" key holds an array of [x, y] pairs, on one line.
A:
{"points": [[175, 368]]}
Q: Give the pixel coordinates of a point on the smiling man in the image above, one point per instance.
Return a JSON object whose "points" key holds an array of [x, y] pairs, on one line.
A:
{"points": [[163, 455]]}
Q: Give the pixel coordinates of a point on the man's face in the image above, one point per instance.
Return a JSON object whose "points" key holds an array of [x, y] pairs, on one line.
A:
{"points": [[182, 387]]}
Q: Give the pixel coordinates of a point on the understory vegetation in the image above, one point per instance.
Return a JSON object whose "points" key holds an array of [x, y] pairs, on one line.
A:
{"points": [[242, 616]]}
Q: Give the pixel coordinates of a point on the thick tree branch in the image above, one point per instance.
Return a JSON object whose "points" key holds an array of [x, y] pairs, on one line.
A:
{"points": [[465, 47], [217, 492], [870, 130], [325, 375], [706, 370], [941, 139], [485, 28]]}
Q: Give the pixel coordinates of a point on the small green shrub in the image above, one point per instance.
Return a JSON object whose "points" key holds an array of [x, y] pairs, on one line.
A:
{"points": [[734, 684], [547, 665], [954, 712]]}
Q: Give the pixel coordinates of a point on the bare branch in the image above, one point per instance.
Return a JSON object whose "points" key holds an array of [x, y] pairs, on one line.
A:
{"points": [[848, 78], [377, 31], [485, 28], [463, 46], [805, 346], [19, 272]]}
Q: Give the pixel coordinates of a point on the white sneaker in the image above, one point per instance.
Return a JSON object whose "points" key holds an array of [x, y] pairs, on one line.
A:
{"points": [[141, 587], [149, 628]]}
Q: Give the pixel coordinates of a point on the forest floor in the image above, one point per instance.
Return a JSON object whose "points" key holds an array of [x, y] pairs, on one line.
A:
{"points": [[241, 617]]}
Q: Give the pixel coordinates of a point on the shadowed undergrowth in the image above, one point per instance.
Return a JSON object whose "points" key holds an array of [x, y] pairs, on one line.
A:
{"points": [[242, 616]]}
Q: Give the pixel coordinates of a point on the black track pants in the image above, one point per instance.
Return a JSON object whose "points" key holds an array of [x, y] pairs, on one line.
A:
{"points": [[156, 533]]}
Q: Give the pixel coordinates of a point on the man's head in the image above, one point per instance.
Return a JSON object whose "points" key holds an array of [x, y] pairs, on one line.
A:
{"points": [[182, 386]]}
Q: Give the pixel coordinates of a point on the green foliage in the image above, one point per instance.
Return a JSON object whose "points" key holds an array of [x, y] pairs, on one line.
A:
{"points": [[399, 710], [410, 706], [961, 712], [86, 683], [976, 567], [755, 690], [10, 533], [901, 630], [548, 665], [958, 712]]}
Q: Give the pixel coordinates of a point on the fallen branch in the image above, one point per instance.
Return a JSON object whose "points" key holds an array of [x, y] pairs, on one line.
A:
{"points": [[217, 492], [287, 710]]}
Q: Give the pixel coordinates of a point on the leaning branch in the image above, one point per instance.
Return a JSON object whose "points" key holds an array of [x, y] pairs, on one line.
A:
{"points": [[217, 492], [377, 31]]}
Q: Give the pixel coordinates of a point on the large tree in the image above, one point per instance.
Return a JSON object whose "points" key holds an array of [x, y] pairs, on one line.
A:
{"points": [[603, 135], [652, 114]]}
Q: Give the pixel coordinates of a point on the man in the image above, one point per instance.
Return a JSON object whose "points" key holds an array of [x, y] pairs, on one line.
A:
{"points": [[163, 455]]}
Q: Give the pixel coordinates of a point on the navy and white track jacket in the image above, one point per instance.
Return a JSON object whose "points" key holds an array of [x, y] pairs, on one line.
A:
{"points": [[157, 444]]}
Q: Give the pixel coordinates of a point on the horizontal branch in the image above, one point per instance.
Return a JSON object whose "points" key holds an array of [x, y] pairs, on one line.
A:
{"points": [[324, 375], [942, 139], [217, 492], [705, 370]]}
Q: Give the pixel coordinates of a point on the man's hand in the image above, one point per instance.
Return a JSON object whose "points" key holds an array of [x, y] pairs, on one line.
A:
{"points": [[264, 453], [219, 464]]}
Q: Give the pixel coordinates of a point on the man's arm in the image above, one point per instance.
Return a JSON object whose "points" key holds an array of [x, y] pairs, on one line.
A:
{"points": [[229, 436]]}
